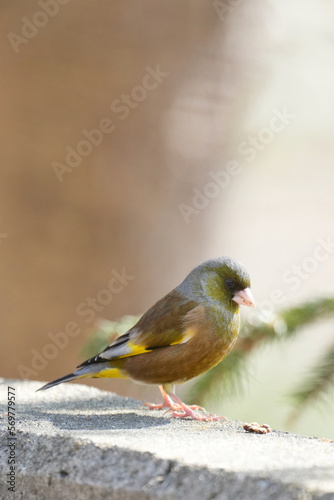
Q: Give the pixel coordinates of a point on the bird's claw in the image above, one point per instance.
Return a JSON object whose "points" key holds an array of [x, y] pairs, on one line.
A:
{"points": [[189, 413], [196, 407], [195, 416], [162, 406]]}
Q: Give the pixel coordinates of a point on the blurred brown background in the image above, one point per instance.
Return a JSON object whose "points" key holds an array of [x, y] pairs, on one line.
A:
{"points": [[228, 69]]}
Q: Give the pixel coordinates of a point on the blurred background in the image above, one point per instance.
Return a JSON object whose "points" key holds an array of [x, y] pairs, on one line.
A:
{"points": [[119, 122]]}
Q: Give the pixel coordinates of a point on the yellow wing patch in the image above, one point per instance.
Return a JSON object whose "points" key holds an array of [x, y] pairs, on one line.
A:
{"points": [[110, 373], [188, 334], [135, 349]]}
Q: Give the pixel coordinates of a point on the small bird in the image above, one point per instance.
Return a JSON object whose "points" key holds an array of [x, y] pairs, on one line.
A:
{"points": [[187, 332]]}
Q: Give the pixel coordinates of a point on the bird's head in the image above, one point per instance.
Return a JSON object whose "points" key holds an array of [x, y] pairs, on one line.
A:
{"points": [[222, 280]]}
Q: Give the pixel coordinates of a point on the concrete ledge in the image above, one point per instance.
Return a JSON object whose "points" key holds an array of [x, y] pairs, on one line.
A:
{"points": [[76, 442]]}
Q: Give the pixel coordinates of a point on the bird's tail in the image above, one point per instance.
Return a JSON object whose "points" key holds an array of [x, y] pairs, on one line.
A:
{"points": [[66, 378], [94, 370]]}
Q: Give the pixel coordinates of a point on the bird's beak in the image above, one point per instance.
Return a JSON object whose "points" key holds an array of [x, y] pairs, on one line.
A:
{"points": [[244, 298]]}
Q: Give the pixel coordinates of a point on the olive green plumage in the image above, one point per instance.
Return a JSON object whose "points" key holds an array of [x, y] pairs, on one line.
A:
{"points": [[184, 334]]}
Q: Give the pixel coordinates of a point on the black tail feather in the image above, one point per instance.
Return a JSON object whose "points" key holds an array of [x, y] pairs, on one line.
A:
{"points": [[66, 378]]}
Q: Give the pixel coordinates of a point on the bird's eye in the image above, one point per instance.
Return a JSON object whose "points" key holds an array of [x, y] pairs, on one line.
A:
{"points": [[229, 282]]}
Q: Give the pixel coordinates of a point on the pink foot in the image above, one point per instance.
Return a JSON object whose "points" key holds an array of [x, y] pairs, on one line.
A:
{"points": [[168, 403], [168, 406], [188, 413], [180, 410], [196, 407]]}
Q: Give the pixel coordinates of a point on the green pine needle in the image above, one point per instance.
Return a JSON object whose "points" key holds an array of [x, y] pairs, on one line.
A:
{"points": [[315, 385], [299, 316]]}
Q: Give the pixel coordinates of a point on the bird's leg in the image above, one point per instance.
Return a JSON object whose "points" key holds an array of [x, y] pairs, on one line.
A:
{"points": [[170, 391], [188, 412], [168, 402]]}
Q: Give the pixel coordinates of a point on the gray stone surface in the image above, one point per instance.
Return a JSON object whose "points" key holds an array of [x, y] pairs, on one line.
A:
{"points": [[76, 442]]}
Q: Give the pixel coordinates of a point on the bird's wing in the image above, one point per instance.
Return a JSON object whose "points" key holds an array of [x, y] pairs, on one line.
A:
{"points": [[167, 323]]}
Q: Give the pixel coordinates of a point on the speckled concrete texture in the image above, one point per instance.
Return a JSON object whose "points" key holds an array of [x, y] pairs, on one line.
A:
{"points": [[76, 442]]}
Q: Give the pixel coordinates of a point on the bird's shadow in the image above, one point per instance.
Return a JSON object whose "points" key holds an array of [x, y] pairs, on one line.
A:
{"points": [[100, 416]]}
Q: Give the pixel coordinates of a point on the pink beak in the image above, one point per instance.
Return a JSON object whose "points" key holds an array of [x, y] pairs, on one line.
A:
{"points": [[244, 298]]}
